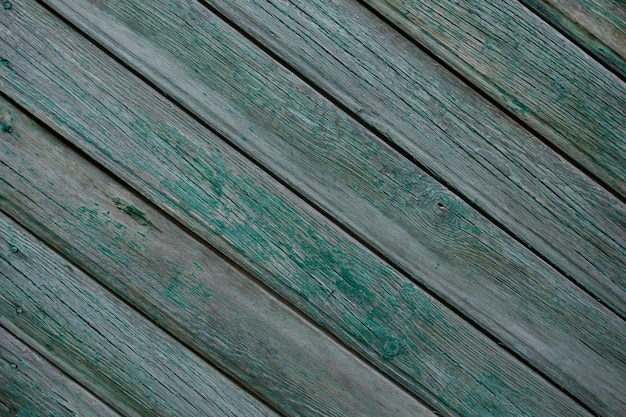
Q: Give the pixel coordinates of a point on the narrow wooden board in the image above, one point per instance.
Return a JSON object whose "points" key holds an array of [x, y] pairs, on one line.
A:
{"points": [[186, 288], [101, 342], [312, 163], [31, 386], [531, 69], [599, 26], [280, 122], [237, 208]]}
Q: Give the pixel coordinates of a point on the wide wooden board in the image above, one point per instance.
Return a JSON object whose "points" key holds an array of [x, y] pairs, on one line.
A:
{"points": [[278, 120], [31, 386], [189, 172], [528, 67], [352, 155], [102, 343], [187, 289], [599, 26]]}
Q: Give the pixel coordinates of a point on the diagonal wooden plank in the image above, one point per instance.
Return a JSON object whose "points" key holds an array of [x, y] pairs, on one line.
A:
{"points": [[101, 342], [240, 210], [599, 26], [313, 163], [542, 199], [31, 386], [530, 69], [187, 289]]}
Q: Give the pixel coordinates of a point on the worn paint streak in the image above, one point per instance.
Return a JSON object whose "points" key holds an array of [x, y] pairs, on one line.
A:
{"points": [[186, 288], [531, 69], [236, 207], [136, 214]]}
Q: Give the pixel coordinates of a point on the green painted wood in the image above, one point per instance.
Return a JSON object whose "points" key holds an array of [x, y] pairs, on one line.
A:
{"points": [[101, 342], [599, 26], [531, 69], [187, 289], [240, 210], [546, 202], [433, 235], [31, 386], [542, 199]]}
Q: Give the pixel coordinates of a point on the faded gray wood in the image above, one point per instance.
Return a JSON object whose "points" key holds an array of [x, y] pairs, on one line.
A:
{"points": [[184, 287], [410, 218], [599, 26], [237, 208], [279, 121], [101, 342], [532, 70], [31, 386]]}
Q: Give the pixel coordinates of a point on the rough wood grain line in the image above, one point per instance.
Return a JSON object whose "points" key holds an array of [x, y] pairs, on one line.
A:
{"points": [[599, 26], [190, 291], [237, 208], [100, 342], [544, 200], [531, 69], [380, 182], [31, 386]]}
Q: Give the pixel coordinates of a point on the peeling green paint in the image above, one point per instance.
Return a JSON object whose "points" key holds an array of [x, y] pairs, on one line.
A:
{"points": [[136, 214]]}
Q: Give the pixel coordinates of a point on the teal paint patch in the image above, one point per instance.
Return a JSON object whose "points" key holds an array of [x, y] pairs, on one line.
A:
{"points": [[136, 214], [392, 347]]}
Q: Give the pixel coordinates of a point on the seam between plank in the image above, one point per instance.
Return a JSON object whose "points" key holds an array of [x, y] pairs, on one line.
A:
{"points": [[44, 356], [325, 214], [376, 132], [574, 40], [200, 356]]}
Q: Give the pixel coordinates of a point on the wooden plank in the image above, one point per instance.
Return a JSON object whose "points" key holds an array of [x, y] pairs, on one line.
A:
{"points": [[599, 26], [31, 386], [537, 195], [528, 67], [186, 288], [101, 342], [237, 208], [401, 232]]}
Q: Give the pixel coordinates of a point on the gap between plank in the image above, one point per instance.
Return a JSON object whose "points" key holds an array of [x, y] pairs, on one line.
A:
{"points": [[573, 40], [376, 132], [216, 251], [324, 213], [45, 357], [115, 295], [499, 106]]}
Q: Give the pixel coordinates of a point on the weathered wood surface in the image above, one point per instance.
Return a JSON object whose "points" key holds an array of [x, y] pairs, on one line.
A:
{"points": [[101, 342], [237, 208], [31, 386], [336, 196], [529, 68], [279, 121], [184, 287], [599, 26]]}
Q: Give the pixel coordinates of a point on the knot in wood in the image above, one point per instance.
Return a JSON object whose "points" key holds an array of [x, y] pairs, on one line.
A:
{"points": [[391, 348]]}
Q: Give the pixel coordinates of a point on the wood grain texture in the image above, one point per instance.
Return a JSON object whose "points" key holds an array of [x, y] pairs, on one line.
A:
{"points": [[187, 289], [599, 26], [409, 217], [102, 343], [31, 386], [237, 208], [392, 85], [532, 70]]}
